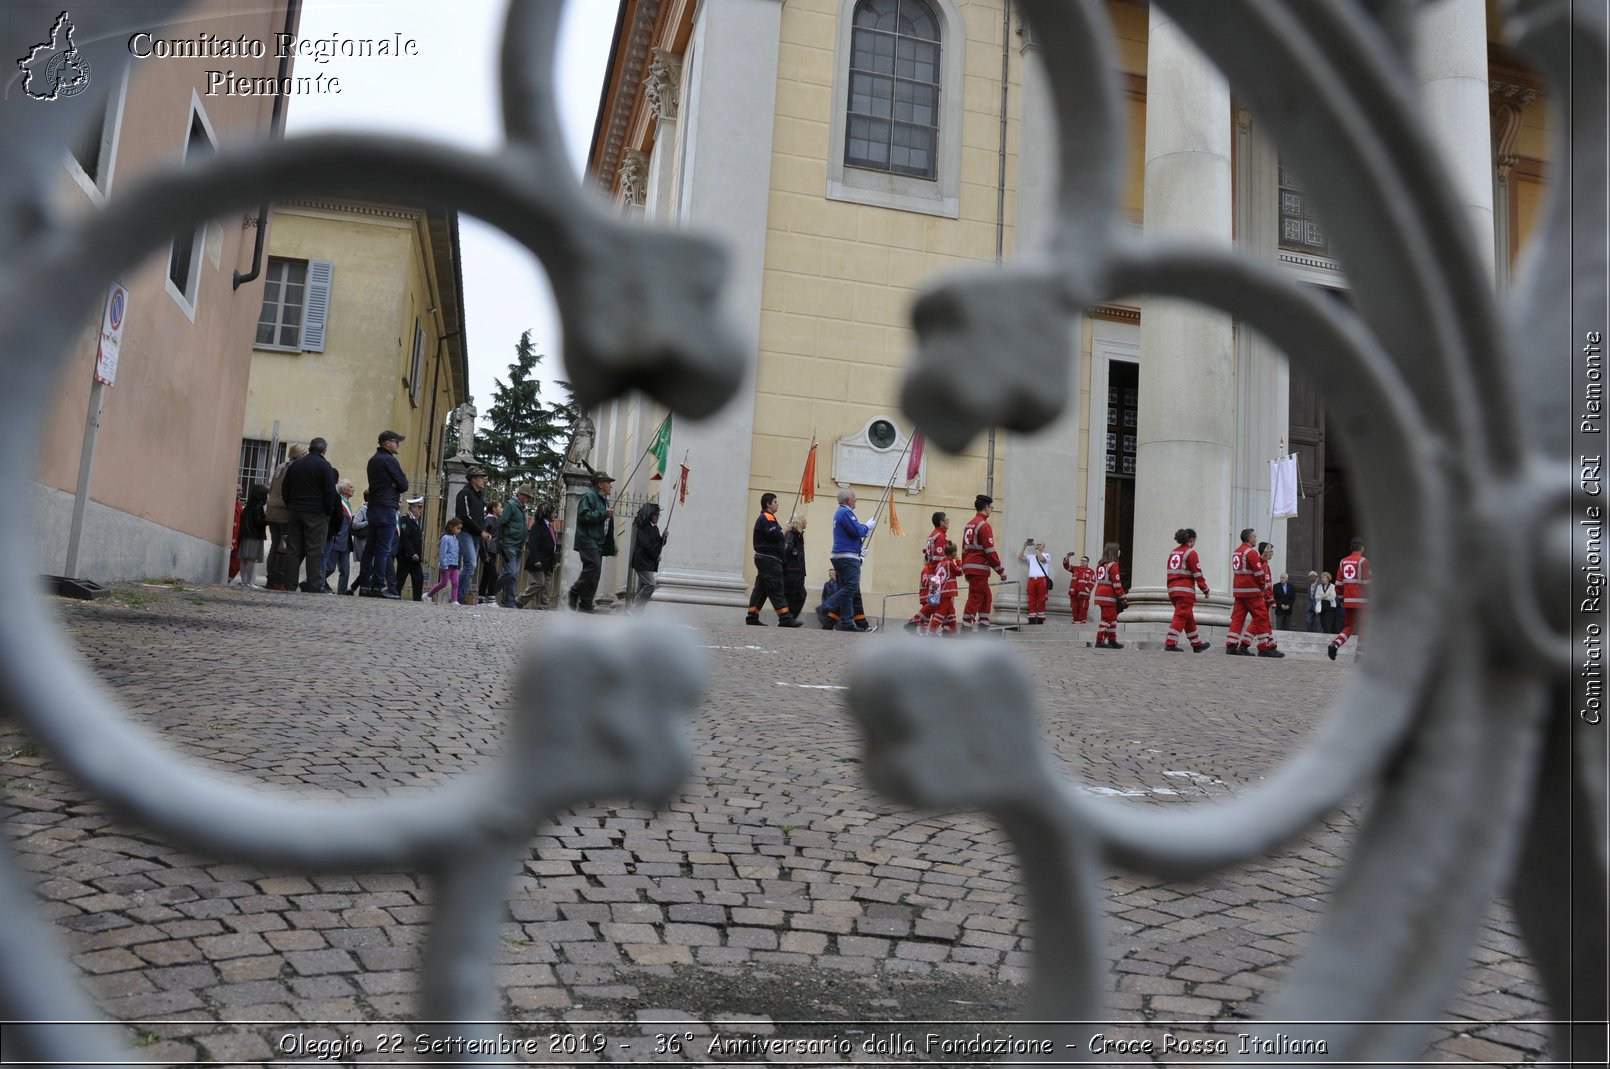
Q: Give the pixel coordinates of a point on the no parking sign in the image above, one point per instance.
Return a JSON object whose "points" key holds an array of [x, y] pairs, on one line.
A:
{"points": [[117, 310]]}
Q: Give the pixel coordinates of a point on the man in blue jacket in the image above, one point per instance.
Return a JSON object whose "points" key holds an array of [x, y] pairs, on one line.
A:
{"points": [[848, 535], [387, 484]]}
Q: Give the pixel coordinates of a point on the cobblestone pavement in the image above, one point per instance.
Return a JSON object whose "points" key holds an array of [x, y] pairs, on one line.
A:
{"points": [[776, 889]]}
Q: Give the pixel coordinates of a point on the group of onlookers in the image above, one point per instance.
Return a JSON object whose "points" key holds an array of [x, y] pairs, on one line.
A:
{"points": [[304, 523]]}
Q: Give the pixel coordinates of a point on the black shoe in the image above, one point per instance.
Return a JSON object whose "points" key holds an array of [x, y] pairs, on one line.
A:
{"points": [[1198, 647], [1172, 649], [389, 595], [575, 601], [1270, 652], [754, 621], [1115, 645], [789, 622], [1233, 651], [868, 629], [913, 626], [1330, 651]]}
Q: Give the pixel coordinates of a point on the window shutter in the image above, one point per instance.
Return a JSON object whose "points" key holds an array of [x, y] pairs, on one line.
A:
{"points": [[317, 308]]}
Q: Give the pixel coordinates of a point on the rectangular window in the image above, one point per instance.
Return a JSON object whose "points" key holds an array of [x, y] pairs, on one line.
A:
{"points": [[256, 463], [184, 259], [279, 325], [296, 305]]}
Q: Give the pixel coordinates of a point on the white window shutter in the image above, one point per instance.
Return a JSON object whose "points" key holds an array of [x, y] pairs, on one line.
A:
{"points": [[316, 310]]}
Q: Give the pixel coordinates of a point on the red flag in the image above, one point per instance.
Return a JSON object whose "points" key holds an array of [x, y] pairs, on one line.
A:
{"points": [[807, 482], [914, 464], [682, 491], [894, 520]]}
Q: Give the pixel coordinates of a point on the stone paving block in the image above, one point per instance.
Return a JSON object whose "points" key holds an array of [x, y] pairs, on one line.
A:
{"points": [[319, 962]]}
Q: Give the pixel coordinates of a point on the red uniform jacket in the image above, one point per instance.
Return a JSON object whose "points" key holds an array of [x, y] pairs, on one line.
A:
{"points": [[1185, 571], [944, 579], [1246, 569], [933, 553], [1084, 579], [978, 546], [1109, 583], [1353, 576]]}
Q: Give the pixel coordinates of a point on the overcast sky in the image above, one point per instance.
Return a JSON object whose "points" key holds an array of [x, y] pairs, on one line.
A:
{"points": [[449, 93]]}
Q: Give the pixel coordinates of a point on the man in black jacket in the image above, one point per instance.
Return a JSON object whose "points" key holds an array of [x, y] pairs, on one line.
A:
{"points": [[411, 548], [470, 508], [768, 543], [310, 497], [387, 484]]}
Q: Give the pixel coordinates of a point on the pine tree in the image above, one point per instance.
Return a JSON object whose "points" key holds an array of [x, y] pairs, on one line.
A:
{"points": [[521, 438]]}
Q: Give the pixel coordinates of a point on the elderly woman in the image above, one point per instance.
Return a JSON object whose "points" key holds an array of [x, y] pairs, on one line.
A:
{"points": [[279, 521], [338, 547], [647, 542]]}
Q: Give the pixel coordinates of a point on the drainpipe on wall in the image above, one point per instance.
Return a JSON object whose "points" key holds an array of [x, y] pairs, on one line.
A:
{"points": [[274, 131], [1000, 202]]}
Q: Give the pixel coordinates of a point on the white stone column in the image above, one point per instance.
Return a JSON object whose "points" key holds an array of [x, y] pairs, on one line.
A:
{"points": [[1039, 496], [1185, 441], [1263, 379], [1450, 63], [728, 115]]}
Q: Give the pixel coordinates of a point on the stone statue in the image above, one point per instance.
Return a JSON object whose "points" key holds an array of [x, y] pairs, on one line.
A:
{"points": [[465, 414], [581, 444]]}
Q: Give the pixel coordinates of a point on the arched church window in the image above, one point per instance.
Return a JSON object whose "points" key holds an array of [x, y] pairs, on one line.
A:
{"points": [[893, 112]]}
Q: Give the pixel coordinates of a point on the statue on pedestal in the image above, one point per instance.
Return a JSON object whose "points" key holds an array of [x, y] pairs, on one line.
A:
{"points": [[581, 444], [465, 414]]}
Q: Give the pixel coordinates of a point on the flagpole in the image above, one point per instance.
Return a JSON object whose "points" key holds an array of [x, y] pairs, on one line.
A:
{"points": [[801, 488], [888, 490], [677, 497], [627, 482]]}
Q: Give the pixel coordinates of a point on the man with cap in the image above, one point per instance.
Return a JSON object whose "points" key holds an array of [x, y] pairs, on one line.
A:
{"points": [[470, 508], [387, 484], [512, 533], [595, 539], [411, 548]]}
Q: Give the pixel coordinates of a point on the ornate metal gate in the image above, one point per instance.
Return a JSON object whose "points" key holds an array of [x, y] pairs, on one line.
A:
{"points": [[1461, 721]]}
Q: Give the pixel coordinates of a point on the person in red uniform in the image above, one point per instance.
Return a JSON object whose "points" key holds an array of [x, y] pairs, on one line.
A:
{"points": [[1354, 575], [932, 554], [1109, 589], [939, 606], [1080, 586], [1250, 616], [978, 560], [1184, 574], [1266, 555]]}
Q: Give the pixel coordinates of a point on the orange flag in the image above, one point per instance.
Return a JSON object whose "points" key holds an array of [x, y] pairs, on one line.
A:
{"points": [[894, 520], [807, 482]]}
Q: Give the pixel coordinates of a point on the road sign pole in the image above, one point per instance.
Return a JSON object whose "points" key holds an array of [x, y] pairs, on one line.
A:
{"points": [[86, 461]]}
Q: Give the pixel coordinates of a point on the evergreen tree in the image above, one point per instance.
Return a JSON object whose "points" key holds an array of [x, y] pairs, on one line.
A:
{"points": [[521, 438]]}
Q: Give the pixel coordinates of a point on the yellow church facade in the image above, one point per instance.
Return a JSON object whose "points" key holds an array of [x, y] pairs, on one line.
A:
{"points": [[850, 151]]}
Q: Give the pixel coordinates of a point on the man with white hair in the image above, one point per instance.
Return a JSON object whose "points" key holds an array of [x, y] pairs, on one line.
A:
{"points": [[848, 535]]}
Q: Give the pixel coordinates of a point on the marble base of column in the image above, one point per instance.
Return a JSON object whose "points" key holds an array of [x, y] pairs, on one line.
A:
{"points": [[1151, 604], [703, 588]]}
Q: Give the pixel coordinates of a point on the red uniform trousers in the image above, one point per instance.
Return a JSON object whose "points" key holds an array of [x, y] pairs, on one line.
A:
{"points": [[1184, 622], [1250, 620], [1080, 604], [941, 618], [1352, 624], [1107, 630], [1037, 597], [921, 614], [975, 613]]}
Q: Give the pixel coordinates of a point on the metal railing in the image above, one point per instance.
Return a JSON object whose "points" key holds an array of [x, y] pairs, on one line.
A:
{"points": [[1458, 430]]}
